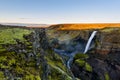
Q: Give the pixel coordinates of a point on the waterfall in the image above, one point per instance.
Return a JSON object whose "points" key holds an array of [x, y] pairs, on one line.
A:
{"points": [[72, 54], [89, 41]]}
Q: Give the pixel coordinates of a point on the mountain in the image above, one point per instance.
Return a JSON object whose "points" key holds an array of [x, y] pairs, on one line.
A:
{"points": [[25, 24]]}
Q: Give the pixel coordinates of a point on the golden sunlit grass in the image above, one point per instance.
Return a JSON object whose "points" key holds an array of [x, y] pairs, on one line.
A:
{"points": [[85, 26]]}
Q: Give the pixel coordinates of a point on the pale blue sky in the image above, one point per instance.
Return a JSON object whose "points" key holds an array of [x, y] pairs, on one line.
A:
{"points": [[59, 11]]}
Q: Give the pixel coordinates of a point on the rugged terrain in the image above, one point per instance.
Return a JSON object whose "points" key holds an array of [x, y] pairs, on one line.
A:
{"points": [[28, 53]]}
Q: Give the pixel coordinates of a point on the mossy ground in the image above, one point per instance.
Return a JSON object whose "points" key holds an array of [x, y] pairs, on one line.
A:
{"points": [[7, 35], [14, 63], [80, 60], [19, 65]]}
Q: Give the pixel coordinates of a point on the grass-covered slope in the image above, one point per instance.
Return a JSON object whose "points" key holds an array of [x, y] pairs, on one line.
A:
{"points": [[18, 61], [12, 65], [8, 34]]}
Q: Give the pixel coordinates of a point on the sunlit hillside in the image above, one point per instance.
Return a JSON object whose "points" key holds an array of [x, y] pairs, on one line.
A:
{"points": [[84, 26]]}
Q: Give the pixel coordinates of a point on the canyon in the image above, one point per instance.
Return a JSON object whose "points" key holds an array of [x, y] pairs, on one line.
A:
{"points": [[55, 53]]}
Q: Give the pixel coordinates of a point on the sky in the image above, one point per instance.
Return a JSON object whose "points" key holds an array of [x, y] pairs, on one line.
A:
{"points": [[59, 11]]}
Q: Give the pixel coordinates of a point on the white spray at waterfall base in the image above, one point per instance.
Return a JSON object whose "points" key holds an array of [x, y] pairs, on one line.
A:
{"points": [[89, 41]]}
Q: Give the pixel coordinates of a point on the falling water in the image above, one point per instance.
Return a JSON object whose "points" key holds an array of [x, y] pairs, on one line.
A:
{"points": [[72, 54], [89, 41]]}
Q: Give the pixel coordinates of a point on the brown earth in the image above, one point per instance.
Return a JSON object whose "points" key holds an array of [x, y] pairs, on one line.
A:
{"points": [[84, 26]]}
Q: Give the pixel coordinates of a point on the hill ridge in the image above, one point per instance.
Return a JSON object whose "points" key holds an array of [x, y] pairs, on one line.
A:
{"points": [[83, 26]]}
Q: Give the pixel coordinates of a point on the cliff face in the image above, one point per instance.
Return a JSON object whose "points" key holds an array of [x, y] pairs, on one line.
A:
{"points": [[103, 57], [105, 39], [110, 41], [29, 54]]}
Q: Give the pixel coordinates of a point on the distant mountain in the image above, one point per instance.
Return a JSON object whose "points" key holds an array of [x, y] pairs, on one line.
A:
{"points": [[25, 24]]}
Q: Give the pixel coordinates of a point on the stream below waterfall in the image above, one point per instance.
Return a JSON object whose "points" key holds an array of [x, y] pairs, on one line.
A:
{"points": [[79, 48]]}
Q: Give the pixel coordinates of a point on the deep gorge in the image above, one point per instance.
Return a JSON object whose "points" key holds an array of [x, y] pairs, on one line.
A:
{"points": [[43, 54]]}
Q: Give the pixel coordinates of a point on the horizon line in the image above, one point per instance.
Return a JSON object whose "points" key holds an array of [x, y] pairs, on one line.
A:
{"points": [[61, 23]]}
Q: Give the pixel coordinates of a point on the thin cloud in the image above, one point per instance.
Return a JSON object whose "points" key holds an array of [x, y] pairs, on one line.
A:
{"points": [[28, 18]]}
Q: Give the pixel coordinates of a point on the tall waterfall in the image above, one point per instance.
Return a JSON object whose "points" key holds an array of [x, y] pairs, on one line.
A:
{"points": [[89, 41], [72, 54]]}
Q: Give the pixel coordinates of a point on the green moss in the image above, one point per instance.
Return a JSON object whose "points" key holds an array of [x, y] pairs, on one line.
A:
{"points": [[2, 77], [32, 70], [107, 77], [53, 58], [58, 74], [8, 35], [80, 62], [81, 56], [2, 49], [31, 77], [3, 58], [37, 78], [19, 70], [11, 62], [3, 66], [17, 64], [30, 47], [58, 71], [88, 67], [78, 79], [108, 29]]}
